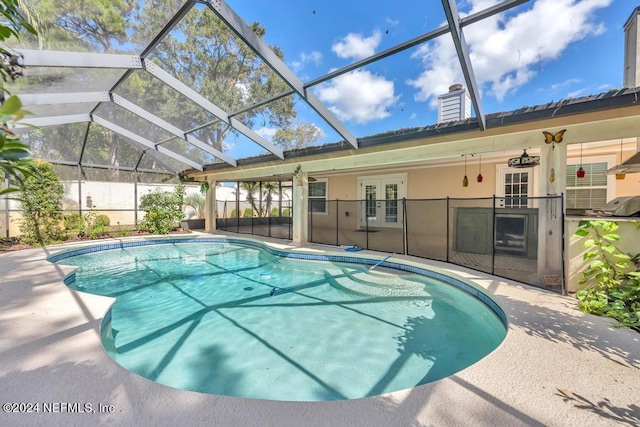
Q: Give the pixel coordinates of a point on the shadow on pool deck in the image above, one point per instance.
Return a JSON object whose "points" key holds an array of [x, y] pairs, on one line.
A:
{"points": [[556, 367]]}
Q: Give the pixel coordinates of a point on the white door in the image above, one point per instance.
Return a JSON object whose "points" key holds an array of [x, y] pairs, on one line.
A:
{"points": [[515, 185], [382, 200]]}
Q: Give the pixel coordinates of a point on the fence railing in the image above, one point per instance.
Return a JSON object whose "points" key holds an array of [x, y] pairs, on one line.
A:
{"points": [[260, 220], [516, 238]]}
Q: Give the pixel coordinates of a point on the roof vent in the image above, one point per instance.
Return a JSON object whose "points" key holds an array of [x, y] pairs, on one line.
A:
{"points": [[455, 87]]}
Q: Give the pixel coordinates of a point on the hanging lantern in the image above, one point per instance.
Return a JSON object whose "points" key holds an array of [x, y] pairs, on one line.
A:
{"points": [[580, 173], [479, 177], [465, 180], [620, 176]]}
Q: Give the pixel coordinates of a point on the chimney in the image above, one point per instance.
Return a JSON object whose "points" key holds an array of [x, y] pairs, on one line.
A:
{"points": [[631, 77], [455, 105]]}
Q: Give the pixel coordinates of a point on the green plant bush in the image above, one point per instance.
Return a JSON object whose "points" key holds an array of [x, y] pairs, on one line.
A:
{"points": [[95, 226], [612, 278], [103, 219], [275, 212], [233, 213], [73, 223], [163, 210], [286, 212], [248, 213], [41, 199]]}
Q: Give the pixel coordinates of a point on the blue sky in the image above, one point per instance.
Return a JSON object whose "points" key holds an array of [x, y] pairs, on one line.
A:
{"points": [[538, 52]]}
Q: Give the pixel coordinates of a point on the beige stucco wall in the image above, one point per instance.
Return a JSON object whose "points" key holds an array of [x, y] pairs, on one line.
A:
{"points": [[440, 181], [574, 247], [446, 181], [429, 182]]}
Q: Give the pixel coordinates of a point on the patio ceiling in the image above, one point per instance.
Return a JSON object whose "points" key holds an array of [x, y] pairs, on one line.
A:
{"points": [[138, 104]]}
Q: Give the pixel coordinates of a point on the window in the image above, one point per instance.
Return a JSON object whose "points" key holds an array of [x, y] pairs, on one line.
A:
{"points": [[391, 205], [516, 189], [318, 196], [589, 192]]}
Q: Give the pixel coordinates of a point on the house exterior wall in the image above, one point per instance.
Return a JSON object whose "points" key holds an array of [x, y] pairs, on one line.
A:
{"points": [[441, 180]]}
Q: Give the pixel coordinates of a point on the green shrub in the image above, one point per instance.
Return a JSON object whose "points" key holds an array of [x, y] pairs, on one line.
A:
{"points": [[248, 213], [233, 213], [103, 219], [74, 223], [94, 225], [163, 210], [286, 212], [612, 278], [41, 199], [275, 212]]}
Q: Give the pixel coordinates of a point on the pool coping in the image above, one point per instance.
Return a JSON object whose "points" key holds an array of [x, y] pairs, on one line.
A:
{"points": [[556, 367]]}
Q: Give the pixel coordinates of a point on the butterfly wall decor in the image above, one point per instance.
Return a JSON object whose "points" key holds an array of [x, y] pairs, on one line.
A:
{"points": [[553, 138]]}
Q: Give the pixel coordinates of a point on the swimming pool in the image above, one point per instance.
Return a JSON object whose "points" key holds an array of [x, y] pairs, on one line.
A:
{"points": [[202, 315]]}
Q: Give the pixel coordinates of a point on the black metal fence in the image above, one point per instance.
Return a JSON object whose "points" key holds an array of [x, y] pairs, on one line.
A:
{"points": [[516, 238], [258, 220]]}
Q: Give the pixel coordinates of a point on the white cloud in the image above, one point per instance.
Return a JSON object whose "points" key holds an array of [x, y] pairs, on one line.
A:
{"points": [[604, 87], [305, 58], [356, 46], [266, 133], [359, 96], [565, 84], [576, 93], [507, 52], [392, 22]]}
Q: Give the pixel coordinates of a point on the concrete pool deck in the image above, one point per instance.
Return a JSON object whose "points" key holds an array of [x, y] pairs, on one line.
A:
{"points": [[556, 367]]}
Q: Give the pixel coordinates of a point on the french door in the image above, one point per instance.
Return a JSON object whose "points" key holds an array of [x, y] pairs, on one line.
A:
{"points": [[382, 201]]}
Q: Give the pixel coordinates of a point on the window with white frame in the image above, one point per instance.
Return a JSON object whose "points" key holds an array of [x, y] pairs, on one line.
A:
{"points": [[589, 192], [318, 196]]}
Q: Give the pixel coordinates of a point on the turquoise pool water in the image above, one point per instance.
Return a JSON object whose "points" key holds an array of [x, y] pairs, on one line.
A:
{"points": [[206, 317]]}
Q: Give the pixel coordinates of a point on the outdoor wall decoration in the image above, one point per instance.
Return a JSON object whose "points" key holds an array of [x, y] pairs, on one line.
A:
{"points": [[620, 176], [553, 138], [524, 161], [580, 173], [479, 177], [465, 180]]}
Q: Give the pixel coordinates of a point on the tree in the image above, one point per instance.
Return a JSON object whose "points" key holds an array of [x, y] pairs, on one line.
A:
{"points": [[194, 204], [300, 136], [268, 190], [41, 200], [14, 162], [163, 209], [251, 187], [200, 51], [96, 25]]}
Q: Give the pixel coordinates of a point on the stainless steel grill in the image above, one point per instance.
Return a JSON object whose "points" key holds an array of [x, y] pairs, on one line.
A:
{"points": [[622, 206]]}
